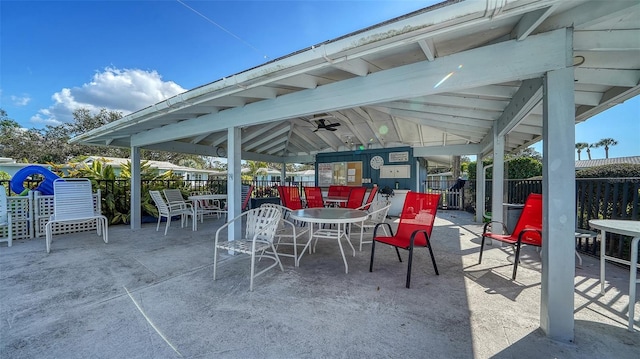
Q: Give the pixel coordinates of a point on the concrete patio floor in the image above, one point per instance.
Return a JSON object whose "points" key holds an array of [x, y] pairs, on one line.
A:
{"points": [[144, 295]]}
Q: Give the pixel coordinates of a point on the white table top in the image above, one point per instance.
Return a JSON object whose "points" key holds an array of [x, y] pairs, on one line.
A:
{"points": [[207, 196], [620, 226], [329, 215]]}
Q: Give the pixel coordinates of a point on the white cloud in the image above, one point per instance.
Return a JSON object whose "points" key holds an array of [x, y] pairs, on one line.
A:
{"points": [[124, 90], [20, 100]]}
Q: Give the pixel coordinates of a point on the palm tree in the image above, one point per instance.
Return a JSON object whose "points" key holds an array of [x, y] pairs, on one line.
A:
{"points": [[581, 146], [593, 145], [606, 143]]}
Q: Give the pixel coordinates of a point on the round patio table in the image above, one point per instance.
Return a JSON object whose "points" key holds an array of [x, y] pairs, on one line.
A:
{"points": [[338, 216], [626, 228], [200, 198], [334, 201]]}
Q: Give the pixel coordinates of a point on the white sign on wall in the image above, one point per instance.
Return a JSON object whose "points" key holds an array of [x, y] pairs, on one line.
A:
{"points": [[399, 156]]}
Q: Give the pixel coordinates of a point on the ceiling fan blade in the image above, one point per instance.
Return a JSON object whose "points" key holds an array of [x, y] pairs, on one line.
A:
{"points": [[332, 129]]}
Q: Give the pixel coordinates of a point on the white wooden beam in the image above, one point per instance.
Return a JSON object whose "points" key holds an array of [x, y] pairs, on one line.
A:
{"points": [[266, 137], [607, 77], [301, 81], [615, 40], [453, 150], [428, 48], [590, 13], [445, 110], [530, 21], [534, 56], [357, 67], [263, 92], [527, 97]]}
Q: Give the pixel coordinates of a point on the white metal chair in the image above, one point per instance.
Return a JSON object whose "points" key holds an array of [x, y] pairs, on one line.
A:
{"points": [[174, 196], [377, 214], [5, 217], [73, 203], [170, 210], [288, 231], [260, 230]]}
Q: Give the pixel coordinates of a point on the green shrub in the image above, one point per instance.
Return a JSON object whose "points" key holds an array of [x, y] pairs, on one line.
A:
{"points": [[623, 170]]}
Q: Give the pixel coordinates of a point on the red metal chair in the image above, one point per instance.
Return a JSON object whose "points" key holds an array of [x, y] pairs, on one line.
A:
{"points": [[246, 196], [414, 228], [334, 191], [356, 196], [313, 195], [290, 197], [528, 229], [372, 196], [344, 191]]}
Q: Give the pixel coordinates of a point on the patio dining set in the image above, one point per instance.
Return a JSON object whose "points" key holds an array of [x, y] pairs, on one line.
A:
{"points": [[271, 228]]}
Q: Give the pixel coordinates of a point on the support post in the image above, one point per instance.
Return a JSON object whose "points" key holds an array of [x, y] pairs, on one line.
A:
{"points": [[558, 205], [497, 183], [234, 181], [135, 219]]}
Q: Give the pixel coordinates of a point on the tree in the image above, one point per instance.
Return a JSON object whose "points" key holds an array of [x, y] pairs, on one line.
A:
{"points": [[527, 152], [606, 143], [581, 146], [51, 144], [593, 145]]}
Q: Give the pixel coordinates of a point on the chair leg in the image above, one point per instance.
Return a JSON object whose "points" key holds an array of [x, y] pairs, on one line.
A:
{"points": [[215, 260], [409, 266], [158, 225], [433, 258], [253, 269], [373, 249], [166, 227], [48, 237], [275, 254], [105, 230], [398, 253], [515, 261], [481, 249]]}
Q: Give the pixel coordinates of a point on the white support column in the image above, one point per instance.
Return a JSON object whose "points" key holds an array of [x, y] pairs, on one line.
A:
{"points": [[283, 173], [480, 186], [234, 181], [135, 219], [497, 184], [558, 206]]}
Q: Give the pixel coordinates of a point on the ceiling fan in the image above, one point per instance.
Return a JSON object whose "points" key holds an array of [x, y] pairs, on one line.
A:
{"points": [[321, 124]]}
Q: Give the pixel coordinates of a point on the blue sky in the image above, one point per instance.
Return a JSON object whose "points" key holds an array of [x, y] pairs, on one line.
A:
{"points": [[56, 56]]}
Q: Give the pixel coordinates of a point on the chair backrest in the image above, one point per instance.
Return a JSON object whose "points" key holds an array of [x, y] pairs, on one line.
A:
{"points": [[245, 195], [379, 210], [313, 196], [283, 213], [418, 212], [4, 209], [173, 195], [356, 196], [531, 217], [344, 191], [72, 199], [159, 201], [334, 191], [263, 221], [372, 196], [290, 197]]}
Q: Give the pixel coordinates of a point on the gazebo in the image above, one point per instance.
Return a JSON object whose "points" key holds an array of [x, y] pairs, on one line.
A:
{"points": [[457, 78]]}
